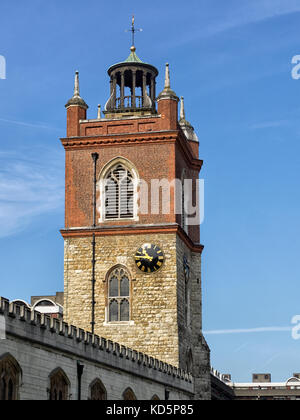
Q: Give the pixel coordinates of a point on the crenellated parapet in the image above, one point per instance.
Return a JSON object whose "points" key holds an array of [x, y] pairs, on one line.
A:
{"points": [[24, 322]]}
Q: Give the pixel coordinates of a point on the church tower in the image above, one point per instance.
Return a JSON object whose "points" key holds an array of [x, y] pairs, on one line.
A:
{"points": [[133, 261]]}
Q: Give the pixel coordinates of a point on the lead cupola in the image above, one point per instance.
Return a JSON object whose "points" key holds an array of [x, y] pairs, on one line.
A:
{"points": [[132, 88]]}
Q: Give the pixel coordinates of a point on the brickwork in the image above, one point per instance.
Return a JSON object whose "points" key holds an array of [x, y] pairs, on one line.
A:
{"points": [[156, 146], [167, 155]]}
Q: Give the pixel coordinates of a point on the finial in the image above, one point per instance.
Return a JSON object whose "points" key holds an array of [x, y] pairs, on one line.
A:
{"points": [[187, 128], [76, 98], [133, 30], [99, 112], [76, 86], [167, 78], [182, 110], [168, 93]]}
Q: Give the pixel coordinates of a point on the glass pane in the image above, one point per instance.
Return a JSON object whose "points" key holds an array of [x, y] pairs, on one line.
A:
{"points": [[124, 286], [124, 309], [3, 389], [113, 311], [10, 390], [113, 287]]}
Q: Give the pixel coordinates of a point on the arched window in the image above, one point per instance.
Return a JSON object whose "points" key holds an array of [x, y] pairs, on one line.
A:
{"points": [[119, 295], [118, 191], [129, 395], [119, 194], [155, 398], [59, 386], [98, 391], [10, 373]]}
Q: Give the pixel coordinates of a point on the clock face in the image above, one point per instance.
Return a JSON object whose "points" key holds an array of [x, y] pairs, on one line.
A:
{"points": [[149, 258]]}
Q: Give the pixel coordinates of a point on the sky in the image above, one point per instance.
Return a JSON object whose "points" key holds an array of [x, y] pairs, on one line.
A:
{"points": [[232, 61]]}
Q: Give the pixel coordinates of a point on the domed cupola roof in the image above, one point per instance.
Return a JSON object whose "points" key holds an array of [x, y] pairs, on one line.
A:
{"points": [[133, 61]]}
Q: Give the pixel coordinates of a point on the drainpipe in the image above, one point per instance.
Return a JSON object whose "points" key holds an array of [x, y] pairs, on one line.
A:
{"points": [[80, 368], [95, 157]]}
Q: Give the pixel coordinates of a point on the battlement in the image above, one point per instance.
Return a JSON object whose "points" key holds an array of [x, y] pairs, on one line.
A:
{"points": [[23, 322], [220, 376]]}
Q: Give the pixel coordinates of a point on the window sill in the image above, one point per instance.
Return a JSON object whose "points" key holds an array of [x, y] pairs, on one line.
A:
{"points": [[118, 324], [135, 219]]}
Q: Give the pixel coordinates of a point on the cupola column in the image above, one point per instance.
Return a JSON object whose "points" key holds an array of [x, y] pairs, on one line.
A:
{"points": [[144, 88], [133, 105], [122, 88], [111, 85], [114, 90], [153, 88]]}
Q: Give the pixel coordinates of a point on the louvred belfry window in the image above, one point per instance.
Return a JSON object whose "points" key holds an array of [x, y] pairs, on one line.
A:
{"points": [[119, 194]]}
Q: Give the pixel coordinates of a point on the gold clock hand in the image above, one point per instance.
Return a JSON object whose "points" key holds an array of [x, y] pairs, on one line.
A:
{"points": [[145, 257]]}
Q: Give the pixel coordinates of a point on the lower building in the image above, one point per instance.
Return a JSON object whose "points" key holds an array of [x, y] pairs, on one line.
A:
{"points": [[43, 358], [262, 388]]}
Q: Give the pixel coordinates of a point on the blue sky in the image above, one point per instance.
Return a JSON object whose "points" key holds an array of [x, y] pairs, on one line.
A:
{"points": [[232, 63]]}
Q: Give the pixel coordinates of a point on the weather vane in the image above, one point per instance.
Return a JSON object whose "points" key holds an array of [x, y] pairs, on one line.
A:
{"points": [[133, 30]]}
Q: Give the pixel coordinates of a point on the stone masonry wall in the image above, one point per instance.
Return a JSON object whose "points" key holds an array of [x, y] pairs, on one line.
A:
{"points": [[154, 328], [190, 333]]}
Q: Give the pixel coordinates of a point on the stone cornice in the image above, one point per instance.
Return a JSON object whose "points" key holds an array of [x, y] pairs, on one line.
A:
{"points": [[159, 137], [133, 230]]}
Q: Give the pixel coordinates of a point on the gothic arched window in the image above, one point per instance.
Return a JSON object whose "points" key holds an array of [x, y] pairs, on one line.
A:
{"points": [[119, 194], [119, 295], [98, 391], [10, 373], [129, 395], [59, 386]]}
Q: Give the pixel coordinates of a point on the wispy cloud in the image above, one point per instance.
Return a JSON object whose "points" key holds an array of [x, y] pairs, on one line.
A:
{"points": [[238, 15], [248, 330], [271, 360], [253, 12], [31, 125], [29, 187], [269, 124]]}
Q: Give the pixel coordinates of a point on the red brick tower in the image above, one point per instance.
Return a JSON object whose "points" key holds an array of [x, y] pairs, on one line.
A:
{"points": [[134, 276]]}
